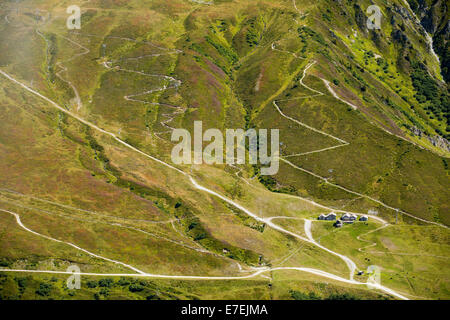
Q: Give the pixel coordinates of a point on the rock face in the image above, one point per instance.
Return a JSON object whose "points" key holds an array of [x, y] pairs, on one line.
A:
{"points": [[416, 131], [431, 15], [436, 140], [403, 12], [440, 142], [434, 18]]}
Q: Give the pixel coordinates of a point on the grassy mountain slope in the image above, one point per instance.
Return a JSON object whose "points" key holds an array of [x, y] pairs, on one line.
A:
{"points": [[370, 125]]}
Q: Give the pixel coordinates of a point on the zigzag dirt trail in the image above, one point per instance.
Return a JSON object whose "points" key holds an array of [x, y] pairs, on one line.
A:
{"points": [[199, 187], [172, 82], [342, 143], [267, 221]]}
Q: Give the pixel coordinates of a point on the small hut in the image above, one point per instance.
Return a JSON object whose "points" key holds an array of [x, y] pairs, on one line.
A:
{"points": [[337, 224]]}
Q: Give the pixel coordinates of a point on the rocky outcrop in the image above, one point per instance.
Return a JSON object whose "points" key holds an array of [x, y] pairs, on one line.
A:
{"points": [[440, 142], [436, 140]]}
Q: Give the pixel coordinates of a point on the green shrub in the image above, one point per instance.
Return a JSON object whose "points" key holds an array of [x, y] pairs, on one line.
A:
{"points": [[296, 295], [135, 287], [107, 283], [44, 289]]}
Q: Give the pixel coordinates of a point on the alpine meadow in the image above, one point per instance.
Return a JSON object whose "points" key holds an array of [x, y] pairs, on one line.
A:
{"points": [[224, 150]]}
